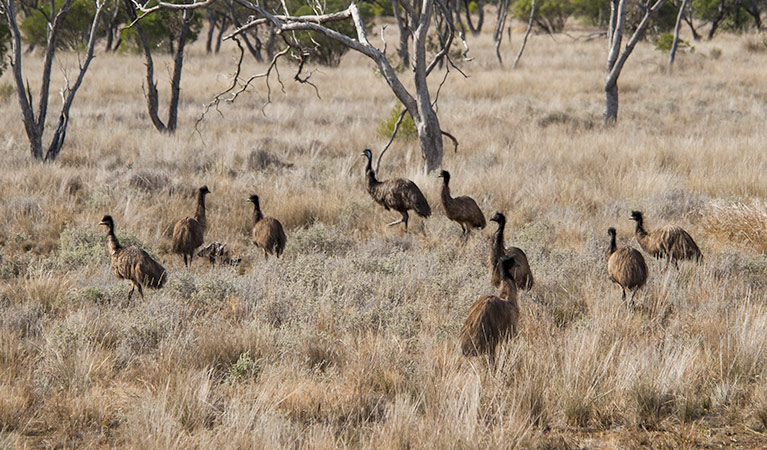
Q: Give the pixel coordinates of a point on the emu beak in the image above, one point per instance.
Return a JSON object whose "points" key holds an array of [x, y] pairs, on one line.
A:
{"points": [[102, 223]]}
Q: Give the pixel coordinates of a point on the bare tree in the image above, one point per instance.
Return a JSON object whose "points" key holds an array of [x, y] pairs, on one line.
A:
{"points": [[34, 123], [421, 14], [500, 23], [527, 33], [616, 57], [675, 43], [152, 97]]}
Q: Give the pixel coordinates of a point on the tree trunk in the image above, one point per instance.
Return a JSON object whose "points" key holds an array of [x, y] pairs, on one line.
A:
{"points": [[527, 33], [221, 31], [178, 63], [212, 20], [675, 44], [500, 22], [403, 51], [688, 18], [611, 108], [255, 51], [723, 10]]}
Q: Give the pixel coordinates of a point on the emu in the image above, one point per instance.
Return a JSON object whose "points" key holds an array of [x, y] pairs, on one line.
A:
{"points": [[492, 319], [463, 210], [626, 267], [669, 242], [398, 194], [133, 264], [189, 232], [523, 276], [268, 234]]}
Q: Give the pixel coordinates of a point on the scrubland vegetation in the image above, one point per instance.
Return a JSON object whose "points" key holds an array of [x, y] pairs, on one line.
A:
{"points": [[350, 339]]}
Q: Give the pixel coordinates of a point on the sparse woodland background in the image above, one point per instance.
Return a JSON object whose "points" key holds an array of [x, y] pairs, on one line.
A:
{"points": [[350, 339]]}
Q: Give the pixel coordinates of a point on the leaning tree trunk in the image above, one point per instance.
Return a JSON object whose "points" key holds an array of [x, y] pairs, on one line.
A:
{"points": [[403, 50], [178, 63], [527, 33], [675, 44], [480, 19]]}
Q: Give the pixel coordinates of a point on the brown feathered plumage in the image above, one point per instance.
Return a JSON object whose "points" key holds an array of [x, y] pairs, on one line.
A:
{"points": [[625, 266], [268, 234], [398, 194], [523, 276], [189, 232], [133, 264], [670, 242], [492, 319], [463, 210]]}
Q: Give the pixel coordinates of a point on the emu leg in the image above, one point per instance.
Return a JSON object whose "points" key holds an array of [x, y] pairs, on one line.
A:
{"points": [[631, 301], [186, 264], [623, 297], [130, 294], [140, 291], [266, 255]]}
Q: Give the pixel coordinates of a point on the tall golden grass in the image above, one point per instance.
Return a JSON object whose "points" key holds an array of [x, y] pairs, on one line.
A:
{"points": [[350, 339]]}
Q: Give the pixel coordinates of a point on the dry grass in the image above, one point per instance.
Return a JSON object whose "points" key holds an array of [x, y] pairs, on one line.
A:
{"points": [[349, 340]]}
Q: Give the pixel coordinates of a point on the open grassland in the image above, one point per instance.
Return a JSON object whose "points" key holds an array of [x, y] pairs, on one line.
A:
{"points": [[350, 340]]}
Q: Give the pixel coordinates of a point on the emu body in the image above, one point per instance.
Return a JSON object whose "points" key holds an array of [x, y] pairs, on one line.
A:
{"points": [[671, 243], [462, 210], [626, 267], [133, 264], [398, 194], [268, 234], [522, 274], [492, 319], [189, 232]]}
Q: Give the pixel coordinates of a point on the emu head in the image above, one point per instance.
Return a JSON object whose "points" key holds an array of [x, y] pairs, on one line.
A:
{"points": [[636, 216], [611, 231], [204, 190], [444, 175], [368, 154], [499, 218], [506, 266], [107, 220], [254, 199]]}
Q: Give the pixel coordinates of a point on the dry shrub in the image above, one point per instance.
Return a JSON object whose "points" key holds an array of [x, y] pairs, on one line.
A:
{"points": [[755, 43], [739, 223], [263, 159], [149, 180]]}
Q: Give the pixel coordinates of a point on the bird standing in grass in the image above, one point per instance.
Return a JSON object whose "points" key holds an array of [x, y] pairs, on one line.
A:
{"points": [[398, 194], [463, 210], [626, 267], [268, 234], [133, 264], [492, 319], [189, 232], [523, 276], [670, 242]]}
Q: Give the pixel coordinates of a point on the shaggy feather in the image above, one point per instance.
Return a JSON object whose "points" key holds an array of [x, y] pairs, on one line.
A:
{"points": [[133, 264], [398, 194], [218, 253], [492, 319], [189, 232], [463, 210], [268, 234], [523, 276], [670, 242], [625, 266]]}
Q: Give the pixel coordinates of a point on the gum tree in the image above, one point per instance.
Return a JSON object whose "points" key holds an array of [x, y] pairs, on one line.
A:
{"points": [[34, 120], [422, 16]]}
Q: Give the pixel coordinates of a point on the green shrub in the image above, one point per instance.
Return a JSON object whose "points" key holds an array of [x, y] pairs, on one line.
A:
{"points": [[161, 30], [244, 368], [407, 130], [4, 37], [74, 30], [666, 40], [715, 53], [6, 89]]}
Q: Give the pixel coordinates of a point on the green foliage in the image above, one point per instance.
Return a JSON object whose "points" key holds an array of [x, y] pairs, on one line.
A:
{"points": [[549, 14], [162, 28], [735, 19], [376, 8], [5, 36], [75, 29], [473, 7], [244, 368], [666, 40], [321, 49], [595, 12], [407, 130]]}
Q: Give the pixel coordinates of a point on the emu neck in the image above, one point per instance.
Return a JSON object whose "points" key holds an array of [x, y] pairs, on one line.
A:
{"points": [[613, 246], [257, 215], [371, 175], [508, 292], [446, 198], [640, 232], [498, 247], [114, 244], [199, 214]]}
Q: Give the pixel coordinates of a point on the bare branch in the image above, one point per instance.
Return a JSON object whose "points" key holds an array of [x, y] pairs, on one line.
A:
{"points": [[452, 138], [391, 138]]}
